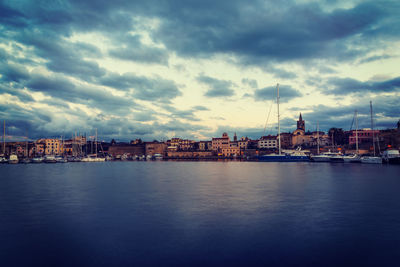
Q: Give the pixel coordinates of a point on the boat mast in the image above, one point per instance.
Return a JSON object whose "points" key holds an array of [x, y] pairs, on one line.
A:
{"points": [[96, 143], [4, 137], [26, 145], [318, 138], [372, 127], [279, 125], [355, 114]]}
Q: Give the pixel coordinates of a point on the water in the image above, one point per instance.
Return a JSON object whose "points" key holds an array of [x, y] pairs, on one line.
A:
{"points": [[199, 213]]}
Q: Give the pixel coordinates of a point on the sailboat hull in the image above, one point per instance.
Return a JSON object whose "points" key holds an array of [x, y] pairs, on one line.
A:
{"points": [[283, 158]]}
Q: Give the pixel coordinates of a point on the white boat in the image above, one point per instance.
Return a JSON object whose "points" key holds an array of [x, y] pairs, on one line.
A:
{"points": [[13, 159], [354, 158], [157, 156], [26, 160], [61, 159], [391, 156], [371, 160], [50, 159], [37, 159], [3, 160], [92, 159], [325, 157]]}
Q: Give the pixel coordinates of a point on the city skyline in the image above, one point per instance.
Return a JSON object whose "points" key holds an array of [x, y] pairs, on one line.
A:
{"points": [[157, 70]]}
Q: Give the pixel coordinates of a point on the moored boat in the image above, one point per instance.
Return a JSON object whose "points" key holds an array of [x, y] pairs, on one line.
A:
{"points": [[37, 160], [61, 159], [325, 157], [354, 158], [50, 159], [3, 160], [13, 159], [391, 156], [26, 160], [371, 160]]}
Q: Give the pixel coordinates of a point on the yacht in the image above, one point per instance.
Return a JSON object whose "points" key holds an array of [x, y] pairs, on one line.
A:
{"points": [[26, 160], [391, 156], [157, 156], [13, 159], [371, 160], [50, 159], [325, 157], [92, 158], [354, 158], [3, 160], [37, 160], [61, 159]]}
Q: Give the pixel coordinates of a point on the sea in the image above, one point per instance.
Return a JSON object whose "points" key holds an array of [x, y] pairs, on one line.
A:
{"points": [[168, 213]]}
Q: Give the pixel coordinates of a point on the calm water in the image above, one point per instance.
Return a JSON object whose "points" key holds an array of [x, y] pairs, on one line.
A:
{"points": [[199, 213]]}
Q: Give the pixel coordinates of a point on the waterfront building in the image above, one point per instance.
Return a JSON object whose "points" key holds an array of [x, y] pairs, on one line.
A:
{"points": [[152, 148], [364, 136], [243, 143], [286, 140], [38, 149], [268, 142], [219, 143], [126, 149], [205, 145], [53, 146], [232, 149], [180, 144]]}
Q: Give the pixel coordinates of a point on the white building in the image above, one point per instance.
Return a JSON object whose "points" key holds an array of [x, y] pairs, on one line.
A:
{"points": [[268, 142]]}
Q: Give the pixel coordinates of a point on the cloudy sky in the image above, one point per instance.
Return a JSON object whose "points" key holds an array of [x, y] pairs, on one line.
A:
{"points": [[194, 69]]}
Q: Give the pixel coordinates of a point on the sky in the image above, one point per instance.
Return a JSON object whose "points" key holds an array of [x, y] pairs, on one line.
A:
{"points": [[195, 69]]}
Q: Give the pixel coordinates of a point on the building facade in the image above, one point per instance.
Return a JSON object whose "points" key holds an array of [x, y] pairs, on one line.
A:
{"points": [[268, 142]]}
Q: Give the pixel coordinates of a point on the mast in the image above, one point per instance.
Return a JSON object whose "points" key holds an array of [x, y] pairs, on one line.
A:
{"points": [[26, 146], [96, 143], [318, 138], [372, 126], [279, 125], [355, 114], [4, 137]]}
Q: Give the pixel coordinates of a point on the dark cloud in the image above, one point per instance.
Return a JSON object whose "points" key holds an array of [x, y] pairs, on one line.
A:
{"points": [[374, 58], [64, 56], [286, 93], [62, 88], [22, 94], [141, 54], [12, 72], [250, 82], [200, 108], [143, 88], [144, 116], [217, 88], [254, 33], [267, 31], [344, 86], [131, 48]]}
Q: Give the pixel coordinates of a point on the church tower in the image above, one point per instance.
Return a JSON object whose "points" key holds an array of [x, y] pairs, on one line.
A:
{"points": [[301, 124]]}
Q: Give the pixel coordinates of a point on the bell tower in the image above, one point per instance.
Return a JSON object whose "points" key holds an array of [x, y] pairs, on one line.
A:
{"points": [[301, 124]]}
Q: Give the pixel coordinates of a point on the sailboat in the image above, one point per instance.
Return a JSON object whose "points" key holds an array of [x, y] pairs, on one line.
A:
{"points": [[353, 158], [372, 159], [295, 156], [93, 157]]}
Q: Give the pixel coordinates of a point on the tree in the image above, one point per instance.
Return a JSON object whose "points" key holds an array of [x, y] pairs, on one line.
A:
{"points": [[338, 136]]}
